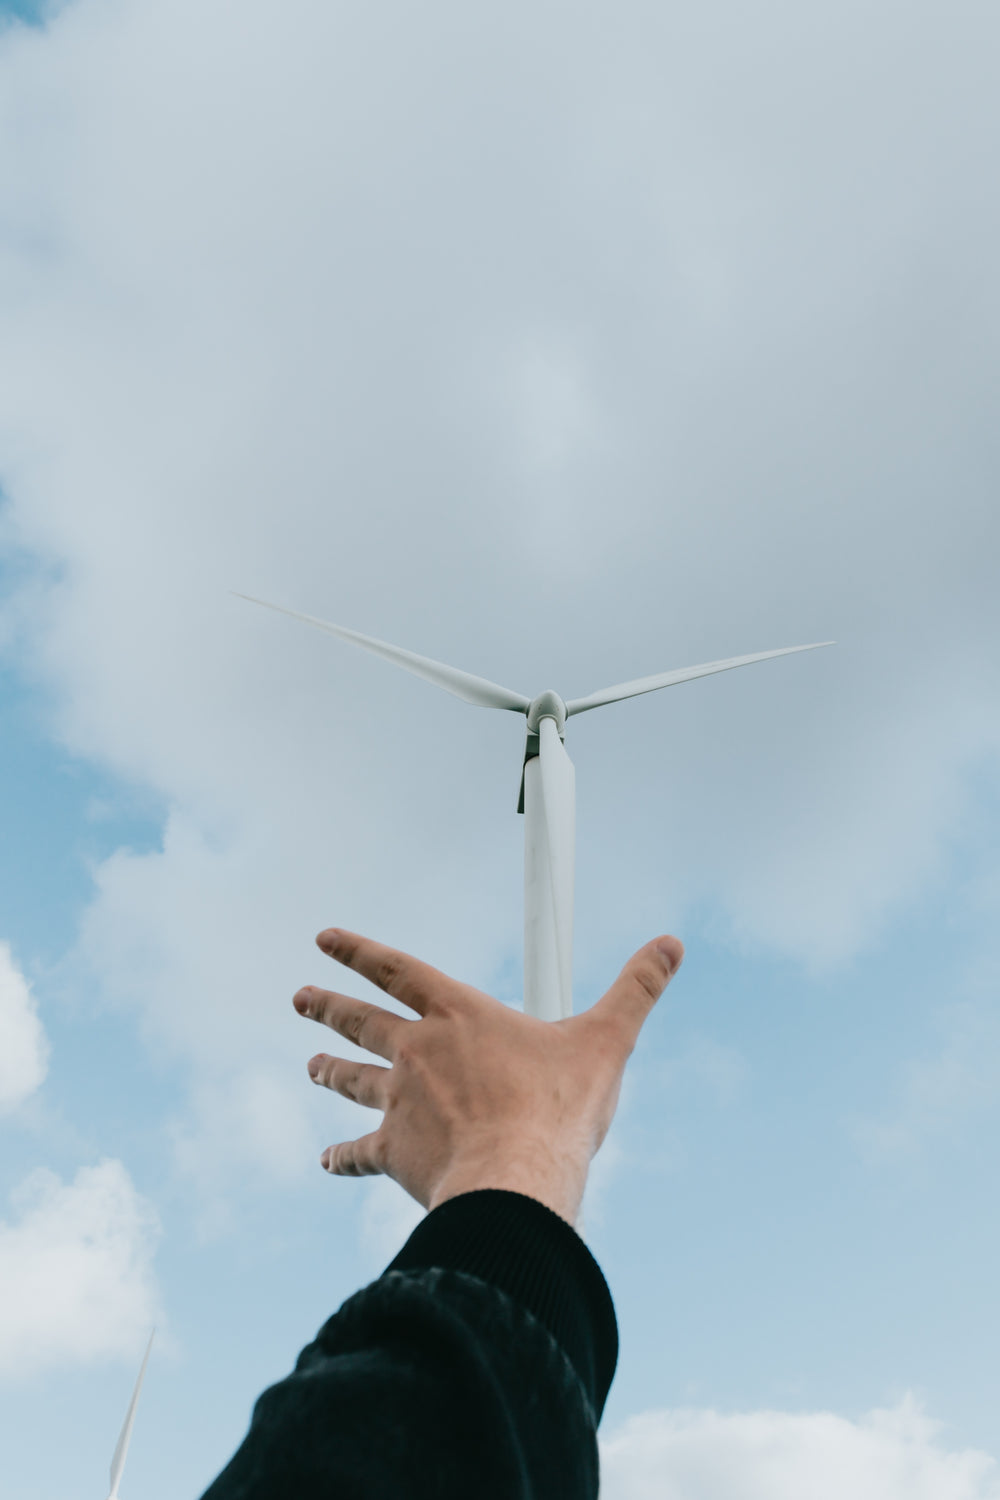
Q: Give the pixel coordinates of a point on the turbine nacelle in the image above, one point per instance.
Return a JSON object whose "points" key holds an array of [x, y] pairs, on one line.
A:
{"points": [[547, 705]]}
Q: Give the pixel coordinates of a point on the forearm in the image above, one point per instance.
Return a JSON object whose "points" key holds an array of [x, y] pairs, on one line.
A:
{"points": [[477, 1364]]}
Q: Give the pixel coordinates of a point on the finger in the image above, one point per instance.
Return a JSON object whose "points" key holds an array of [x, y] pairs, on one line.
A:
{"points": [[360, 1158], [639, 985], [416, 984], [365, 1025], [365, 1083]]}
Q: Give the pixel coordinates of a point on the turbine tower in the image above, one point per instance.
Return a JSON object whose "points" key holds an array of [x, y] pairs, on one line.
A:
{"points": [[121, 1452], [548, 794]]}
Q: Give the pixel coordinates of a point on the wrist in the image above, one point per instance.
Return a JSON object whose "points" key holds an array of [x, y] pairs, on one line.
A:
{"points": [[558, 1186]]}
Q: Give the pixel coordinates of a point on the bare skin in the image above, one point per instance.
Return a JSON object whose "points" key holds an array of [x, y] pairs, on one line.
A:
{"points": [[478, 1095]]}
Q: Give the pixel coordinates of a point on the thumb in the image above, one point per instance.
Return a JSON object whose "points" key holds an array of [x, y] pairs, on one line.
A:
{"points": [[639, 985]]}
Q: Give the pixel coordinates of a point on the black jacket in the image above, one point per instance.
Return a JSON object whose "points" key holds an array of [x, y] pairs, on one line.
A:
{"points": [[475, 1368]]}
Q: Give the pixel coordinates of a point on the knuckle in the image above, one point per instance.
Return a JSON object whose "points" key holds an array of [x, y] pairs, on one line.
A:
{"points": [[388, 971], [373, 1030], [347, 950], [390, 1093], [650, 978], [356, 1024], [445, 1005], [346, 1163], [403, 1055]]}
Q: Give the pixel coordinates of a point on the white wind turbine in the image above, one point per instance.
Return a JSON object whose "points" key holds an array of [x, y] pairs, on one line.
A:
{"points": [[548, 795], [121, 1452]]}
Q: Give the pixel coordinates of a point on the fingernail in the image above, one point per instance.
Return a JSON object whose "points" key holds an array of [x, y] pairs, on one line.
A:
{"points": [[328, 938], [324, 1161], [667, 948], [314, 1064], [301, 1000]]}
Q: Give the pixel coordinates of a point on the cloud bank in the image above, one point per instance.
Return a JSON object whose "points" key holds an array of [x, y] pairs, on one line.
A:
{"points": [[892, 1454]]}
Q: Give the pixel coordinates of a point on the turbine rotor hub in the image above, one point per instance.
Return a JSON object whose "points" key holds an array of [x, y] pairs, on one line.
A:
{"points": [[547, 705]]}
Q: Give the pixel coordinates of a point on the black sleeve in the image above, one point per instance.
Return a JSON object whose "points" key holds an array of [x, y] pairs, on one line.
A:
{"points": [[475, 1368]]}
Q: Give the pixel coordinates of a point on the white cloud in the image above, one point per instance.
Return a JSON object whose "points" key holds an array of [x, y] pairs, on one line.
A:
{"points": [[76, 1271], [893, 1454], [24, 1050]]}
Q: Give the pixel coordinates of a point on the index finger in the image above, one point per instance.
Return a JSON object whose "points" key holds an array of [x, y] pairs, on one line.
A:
{"points": [[416, 984], [367, 1026]]}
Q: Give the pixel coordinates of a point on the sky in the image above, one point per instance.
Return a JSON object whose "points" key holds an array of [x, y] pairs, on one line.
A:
{"points": [[567, 344]]}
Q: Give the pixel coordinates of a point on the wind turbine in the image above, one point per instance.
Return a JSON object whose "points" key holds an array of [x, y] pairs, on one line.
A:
{"points": [[121, 1452], [548, 794]]}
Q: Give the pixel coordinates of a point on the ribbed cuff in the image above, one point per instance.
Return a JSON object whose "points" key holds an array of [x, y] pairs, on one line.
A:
{"points": [[530, 1253]]}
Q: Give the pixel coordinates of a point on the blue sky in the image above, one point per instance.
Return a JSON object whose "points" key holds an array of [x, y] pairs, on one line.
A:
{"points": [[565, 352]]}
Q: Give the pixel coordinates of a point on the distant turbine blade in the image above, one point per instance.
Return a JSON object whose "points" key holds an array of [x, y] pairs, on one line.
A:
{"points": [[559, 796], [118, 1462], [685, 674], [476, 690]]}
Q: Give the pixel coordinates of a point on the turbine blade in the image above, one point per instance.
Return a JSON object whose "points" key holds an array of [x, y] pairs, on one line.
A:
{"points": [[121, 1452], [559, 797], [684, 674], [464, 685]]}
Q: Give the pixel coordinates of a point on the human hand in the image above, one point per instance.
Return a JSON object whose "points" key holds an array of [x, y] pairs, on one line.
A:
{"points": [[478, 1095]]}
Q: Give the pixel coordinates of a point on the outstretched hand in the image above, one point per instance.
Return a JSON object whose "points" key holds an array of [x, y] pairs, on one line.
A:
{"points": [[478, 1095]]}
